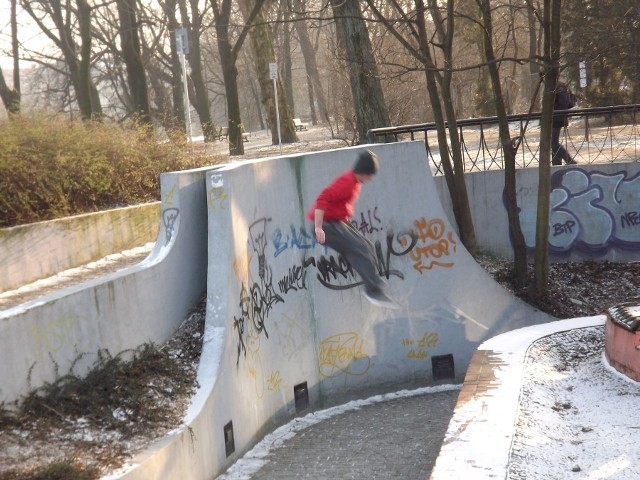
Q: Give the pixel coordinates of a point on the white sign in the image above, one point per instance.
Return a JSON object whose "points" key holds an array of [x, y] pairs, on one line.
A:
{"points": [[273, 70], [583, 74], [182, 41]]}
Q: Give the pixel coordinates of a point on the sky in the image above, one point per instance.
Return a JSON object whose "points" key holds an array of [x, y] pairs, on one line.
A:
{"points": [[28, 34]]}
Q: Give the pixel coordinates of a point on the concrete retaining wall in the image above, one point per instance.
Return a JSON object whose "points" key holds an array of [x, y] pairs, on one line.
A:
{"points": [[39, 250], [283, 311], [595, 211], [121, 311]]}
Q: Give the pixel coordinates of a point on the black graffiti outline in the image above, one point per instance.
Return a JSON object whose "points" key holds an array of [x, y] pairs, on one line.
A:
{"points": [[332, 266], [169, 217], [256, 302]]}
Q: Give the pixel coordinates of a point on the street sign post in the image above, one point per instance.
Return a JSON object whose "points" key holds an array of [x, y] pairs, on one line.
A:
{"points": [[273, 73], [182, 47]]}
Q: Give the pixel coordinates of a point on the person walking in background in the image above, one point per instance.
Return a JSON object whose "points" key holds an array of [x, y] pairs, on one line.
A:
{"points": [[564, 100], [331, 213]]}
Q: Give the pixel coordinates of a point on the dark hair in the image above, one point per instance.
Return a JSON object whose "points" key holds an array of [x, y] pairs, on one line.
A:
{"points": [[367, 163]]}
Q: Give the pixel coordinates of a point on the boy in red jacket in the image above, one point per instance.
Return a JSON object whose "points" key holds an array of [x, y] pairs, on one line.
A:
{"points": [[330, 214]]}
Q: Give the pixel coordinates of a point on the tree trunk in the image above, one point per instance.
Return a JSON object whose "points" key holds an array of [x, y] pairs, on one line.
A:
{"points": [[11, 96], [353, 39], [508, 150], [84, 68], [551, 32], [228, 59], [287, 73], [262, 44], [308, 52], [131, 53], [201, 100], [464, 218], [86, 93], [177, 119]]}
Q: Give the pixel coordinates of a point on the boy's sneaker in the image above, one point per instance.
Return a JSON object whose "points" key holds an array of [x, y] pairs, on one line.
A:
{"points": [[380, 299]]}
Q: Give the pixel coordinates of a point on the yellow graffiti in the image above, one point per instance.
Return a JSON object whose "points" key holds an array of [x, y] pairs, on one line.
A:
{"points": [[428, 340], [274, 381], [343, 354], [434, 243], [61, 332], [417, 354], [168, 198], [217, 198]]}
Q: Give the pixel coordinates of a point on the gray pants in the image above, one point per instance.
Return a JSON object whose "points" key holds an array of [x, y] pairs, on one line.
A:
{"points": [[356, 249]]}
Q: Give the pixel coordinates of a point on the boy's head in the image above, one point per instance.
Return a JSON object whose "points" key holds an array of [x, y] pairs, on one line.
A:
{"points": [[366, 165]]}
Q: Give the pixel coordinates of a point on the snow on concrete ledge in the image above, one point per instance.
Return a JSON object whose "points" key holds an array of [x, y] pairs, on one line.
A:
{"points": [[480, 434]]}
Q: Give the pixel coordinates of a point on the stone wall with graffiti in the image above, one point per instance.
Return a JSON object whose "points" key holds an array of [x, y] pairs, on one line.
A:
{"points": [[292, 311], [595, 211]]}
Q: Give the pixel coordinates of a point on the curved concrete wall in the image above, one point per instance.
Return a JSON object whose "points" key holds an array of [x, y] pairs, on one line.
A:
{"points": [[121, 311], [595, 211], [282, 311], [39, 250]]}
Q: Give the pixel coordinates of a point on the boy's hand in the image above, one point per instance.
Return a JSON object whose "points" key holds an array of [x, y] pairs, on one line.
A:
{"points": [[320, 235]]}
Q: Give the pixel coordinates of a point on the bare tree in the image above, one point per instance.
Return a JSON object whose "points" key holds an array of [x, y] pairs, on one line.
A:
{"points": [[192, 20], [439, 88], [551, 60], [507, 144], [11, 96], [353, 40], [65, 39], [228, 57], [262, 44], [311, 66], [132, 55], [176, 119]]}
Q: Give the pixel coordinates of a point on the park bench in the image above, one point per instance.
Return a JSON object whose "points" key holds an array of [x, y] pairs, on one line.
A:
{"points": [[299, 125], [222, 133]]}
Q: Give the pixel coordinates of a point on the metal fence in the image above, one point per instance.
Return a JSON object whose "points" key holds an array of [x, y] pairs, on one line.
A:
{"points": [[594, 135]]}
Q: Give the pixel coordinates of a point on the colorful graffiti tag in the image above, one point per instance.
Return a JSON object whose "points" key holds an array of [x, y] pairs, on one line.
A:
{"points": [[591, 212]]}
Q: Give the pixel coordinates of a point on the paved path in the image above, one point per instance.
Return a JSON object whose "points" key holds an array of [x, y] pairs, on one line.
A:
{"points": [[397, 438]]}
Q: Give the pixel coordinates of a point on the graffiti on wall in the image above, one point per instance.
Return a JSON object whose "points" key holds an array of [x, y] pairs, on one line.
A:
{"points": [[216, 195], [257, 295], [435, 247], [590, 211], [427, 244], [417, 349], [169, 218], [62, 332], [343, 354]]}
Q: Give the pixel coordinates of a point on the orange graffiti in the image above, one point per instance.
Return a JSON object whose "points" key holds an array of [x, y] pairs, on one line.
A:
{"points": [[435, 245]]}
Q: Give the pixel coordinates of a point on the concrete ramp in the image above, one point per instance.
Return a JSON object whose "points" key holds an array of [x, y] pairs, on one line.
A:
{"points": [[288, 330], [47, 337]]}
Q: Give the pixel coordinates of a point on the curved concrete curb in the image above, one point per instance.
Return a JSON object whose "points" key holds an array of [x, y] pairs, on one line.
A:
{"points": [[287, 328], [46, 337], [478, 441], [40, 250]]}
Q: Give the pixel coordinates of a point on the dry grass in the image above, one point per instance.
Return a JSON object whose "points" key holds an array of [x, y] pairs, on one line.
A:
{"points": [[52, 167], [75, 428]]}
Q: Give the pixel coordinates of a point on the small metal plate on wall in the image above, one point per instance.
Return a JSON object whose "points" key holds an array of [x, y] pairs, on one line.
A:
{"points": [[442, 367]]}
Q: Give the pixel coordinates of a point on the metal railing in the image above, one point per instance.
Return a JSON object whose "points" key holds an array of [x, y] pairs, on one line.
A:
{"points": [[594, 135]]}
